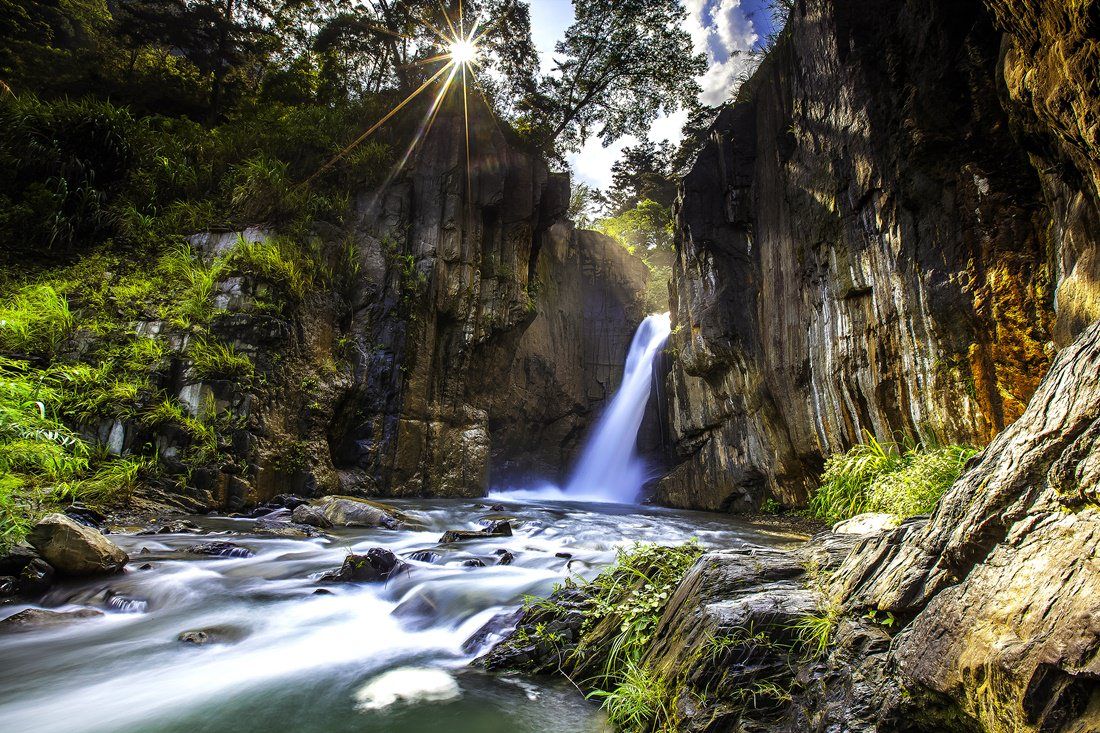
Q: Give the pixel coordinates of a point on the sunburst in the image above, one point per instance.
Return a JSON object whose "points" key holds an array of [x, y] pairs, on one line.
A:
{"points": [[461, 56]]}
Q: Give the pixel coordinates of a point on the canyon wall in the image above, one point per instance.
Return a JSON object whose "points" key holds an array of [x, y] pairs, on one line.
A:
{"points": [[467, 328], [891, 231]]}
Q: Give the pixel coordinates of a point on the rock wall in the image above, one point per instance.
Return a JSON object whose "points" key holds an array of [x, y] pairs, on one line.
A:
{"points": [[874, 239], [980, 619]]}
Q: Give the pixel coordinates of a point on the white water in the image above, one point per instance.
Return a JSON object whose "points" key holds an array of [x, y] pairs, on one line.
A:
{"points": [[370, 658], [610, 469]]}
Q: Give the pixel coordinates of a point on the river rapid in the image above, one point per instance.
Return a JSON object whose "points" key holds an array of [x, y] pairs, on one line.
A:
{"points": [[392, 657]]}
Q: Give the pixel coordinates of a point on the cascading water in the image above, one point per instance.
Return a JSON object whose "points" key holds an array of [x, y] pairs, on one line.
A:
{"points": [[610, 467]]}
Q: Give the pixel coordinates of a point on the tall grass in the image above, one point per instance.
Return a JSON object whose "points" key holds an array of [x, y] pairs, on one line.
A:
{"points": [[213, 360], [903, 480], [637, 703], [199, 281], [36, 319], [278, 261]]}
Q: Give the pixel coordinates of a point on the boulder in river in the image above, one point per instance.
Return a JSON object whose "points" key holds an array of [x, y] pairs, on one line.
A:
{"points": [[496, 529], [36, 577], [36, 618], [73, 549], [346, 511], [375, 565], [220, 549]]}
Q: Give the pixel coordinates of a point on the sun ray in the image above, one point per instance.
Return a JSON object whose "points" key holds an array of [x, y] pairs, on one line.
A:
{"points": [[373, 128]]}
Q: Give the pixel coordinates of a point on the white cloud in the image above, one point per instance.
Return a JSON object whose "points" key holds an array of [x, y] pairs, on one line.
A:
{"points": [[592, 164], [723, 79]]}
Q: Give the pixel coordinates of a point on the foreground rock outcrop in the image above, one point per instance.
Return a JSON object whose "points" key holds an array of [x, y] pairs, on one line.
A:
{"points": [[892, 230], [981, 618]]}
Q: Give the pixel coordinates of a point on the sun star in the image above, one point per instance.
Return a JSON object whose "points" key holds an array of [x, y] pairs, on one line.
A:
{"points": [[462, 51]]}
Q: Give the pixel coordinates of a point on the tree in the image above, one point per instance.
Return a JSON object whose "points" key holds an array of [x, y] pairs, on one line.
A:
{"points": [[583, 202], [621, 64], [643, 172], [645, 229]]}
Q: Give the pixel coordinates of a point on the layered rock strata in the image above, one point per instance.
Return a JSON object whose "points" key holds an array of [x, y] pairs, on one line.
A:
{"points": [[891, 231]]}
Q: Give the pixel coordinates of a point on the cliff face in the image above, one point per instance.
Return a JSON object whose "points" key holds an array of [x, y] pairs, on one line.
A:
{"points": [[473, 327], [890, 231]]}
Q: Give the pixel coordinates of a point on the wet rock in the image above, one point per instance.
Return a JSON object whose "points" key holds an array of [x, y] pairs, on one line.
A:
{"points": [[424, 556], [563, 555], [73, 549], [867, 523], [346, 511], [220, 549], [312, 516], [181, 526], [497, 507], [376, 565], [146, 566], [123, 603], [286, 529], [323, 592], [473, 563], [36, 578], [212, 635], [505, 558], [496, 529], [7, 587], [86, 515], [17, 558], [38, 618]]}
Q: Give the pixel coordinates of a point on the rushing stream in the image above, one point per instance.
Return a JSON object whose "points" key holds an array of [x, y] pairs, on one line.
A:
{"points": [[290, 660], [286, 651]]}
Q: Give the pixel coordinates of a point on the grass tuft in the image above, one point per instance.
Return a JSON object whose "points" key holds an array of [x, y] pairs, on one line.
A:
{"points": [[885, 477]]}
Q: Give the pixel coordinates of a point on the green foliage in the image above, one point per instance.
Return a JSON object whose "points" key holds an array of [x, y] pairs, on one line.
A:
{"points": [[619, 65], [638, 702], [213, 360], [277, 261], [885, 477], [186, 269], [641, 229], [35, 320], [815, 631]]}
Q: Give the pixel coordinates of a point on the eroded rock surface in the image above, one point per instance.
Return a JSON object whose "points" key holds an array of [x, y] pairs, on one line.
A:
{"points": [[875, 236]]}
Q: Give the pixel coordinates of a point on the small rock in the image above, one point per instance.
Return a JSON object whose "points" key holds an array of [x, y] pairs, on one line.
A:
{"points": [[377, 564], [38, 618], [146, 566], [424, 556], [36, 578], [564, 555], [212, 635], [220, 549], [86, 515], [17, 558], [497, 508], [506, 558], [473, 563], [286, 529], [182, 526], [323, 592], [125, 604], [496, 529], [7, 586], [73, 549], [286, 501]]}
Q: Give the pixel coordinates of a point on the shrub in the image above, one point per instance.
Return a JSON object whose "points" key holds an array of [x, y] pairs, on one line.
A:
{"points": [[885, 477]]}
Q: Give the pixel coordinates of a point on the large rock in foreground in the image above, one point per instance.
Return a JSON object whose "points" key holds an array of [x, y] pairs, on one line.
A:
{"points": [[73, 549]]}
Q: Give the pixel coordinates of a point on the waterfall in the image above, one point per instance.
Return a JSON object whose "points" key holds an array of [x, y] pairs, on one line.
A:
{"points": [[610, 467]]}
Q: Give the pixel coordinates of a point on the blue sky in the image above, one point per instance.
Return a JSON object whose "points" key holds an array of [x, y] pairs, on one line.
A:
{"points": [[718, 27]]}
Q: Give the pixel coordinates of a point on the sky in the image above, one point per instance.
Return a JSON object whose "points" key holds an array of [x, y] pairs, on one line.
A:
{"points": [[717, 27]]}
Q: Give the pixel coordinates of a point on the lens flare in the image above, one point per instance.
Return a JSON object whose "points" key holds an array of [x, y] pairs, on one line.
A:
{"points": [[463, 51]]}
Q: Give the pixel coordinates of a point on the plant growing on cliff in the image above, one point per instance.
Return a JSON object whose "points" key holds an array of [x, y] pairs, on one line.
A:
{"points": [[35, 319], [214, 360], [887, 477]]}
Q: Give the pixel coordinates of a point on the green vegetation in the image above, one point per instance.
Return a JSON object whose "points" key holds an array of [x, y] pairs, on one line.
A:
{"points": [[903, 480], [627, 603], [212, 360]]}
